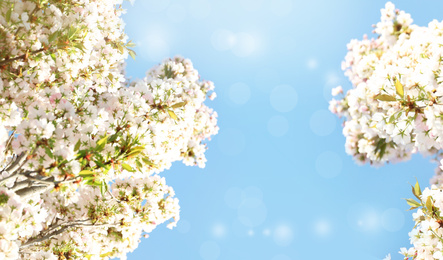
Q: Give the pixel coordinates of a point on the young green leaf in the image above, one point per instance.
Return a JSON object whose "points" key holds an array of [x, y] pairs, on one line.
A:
{"points": [[384, 97], [130, 44], [77, 146], [8, 14], [86, 173], [132, 54], [429, 203], [178, 105], [413, 203], [172, 115], [399, 88], [417, 190], [53, 36], [127, 167], [103, 187], [102, 141]]}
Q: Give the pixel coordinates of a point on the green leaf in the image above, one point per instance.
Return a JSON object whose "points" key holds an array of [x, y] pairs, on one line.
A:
{"points": [[101, 144], [77, 145], [147, 161], [399, 88], [72, 32], [130, 44], [380, 148], [86, 173], [417, 190], [139, 164], [102, 141], [106, 254], [113, 138], [127, 167], [132, 53], [134, 153], [8, 14], [172, 114], [100, 164], [103, 187], [80, 46], [53, 36], [392, 118], [384, 97], [178, 105], [53, 56], [136, 148], [429, 203], [413, 203], [49, 152]]}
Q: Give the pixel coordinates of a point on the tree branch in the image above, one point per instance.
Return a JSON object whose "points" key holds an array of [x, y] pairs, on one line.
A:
{"points": [[30, 191], [6, 61], [14, 168], [36, 240]]}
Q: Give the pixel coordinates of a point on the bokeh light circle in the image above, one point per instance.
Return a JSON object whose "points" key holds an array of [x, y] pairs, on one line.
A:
{"points": [[239, 93], [233, 197], [183, 226], [156, 44], [252, 212], [283, 235], [231, 141], [219, 230], [393, 219], [278, 126], [251, 5], [283, 98], [245, 45], [329, 164], [363, 218], [176, 13], [322, 228], [312, 63], [281, 7], [210, 250], [223, 40], [252, 192], [266, 78], [155, 6], [322, 122], [281, 257], [200, 9]]}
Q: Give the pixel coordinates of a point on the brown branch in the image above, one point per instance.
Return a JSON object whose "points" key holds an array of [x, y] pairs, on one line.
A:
{"points": [[14, 167], [6, 61], [29, 191], [33, 241]]}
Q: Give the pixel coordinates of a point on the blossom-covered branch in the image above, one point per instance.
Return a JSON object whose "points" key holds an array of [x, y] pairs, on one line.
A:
{"points": [[81, 147]]}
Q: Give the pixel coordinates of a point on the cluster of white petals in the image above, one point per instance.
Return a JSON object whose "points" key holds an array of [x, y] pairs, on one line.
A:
{"points": [[394, 107], [80, 146], [427, 235]]}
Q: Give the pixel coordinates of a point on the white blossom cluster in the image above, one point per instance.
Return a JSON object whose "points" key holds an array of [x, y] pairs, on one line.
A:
{"points": [[394, 107], [81, 147], [427, 235]]}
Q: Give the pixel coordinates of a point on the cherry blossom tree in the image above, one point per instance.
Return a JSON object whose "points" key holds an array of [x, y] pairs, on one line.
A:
{"points": [[395, 109], [81, 147]]}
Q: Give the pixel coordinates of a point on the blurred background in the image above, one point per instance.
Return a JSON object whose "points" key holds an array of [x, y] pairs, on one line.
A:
{"points": [[278, 184]]}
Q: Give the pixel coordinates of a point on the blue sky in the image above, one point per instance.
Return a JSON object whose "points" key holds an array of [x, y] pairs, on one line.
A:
{"points": [[278, 184]]}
